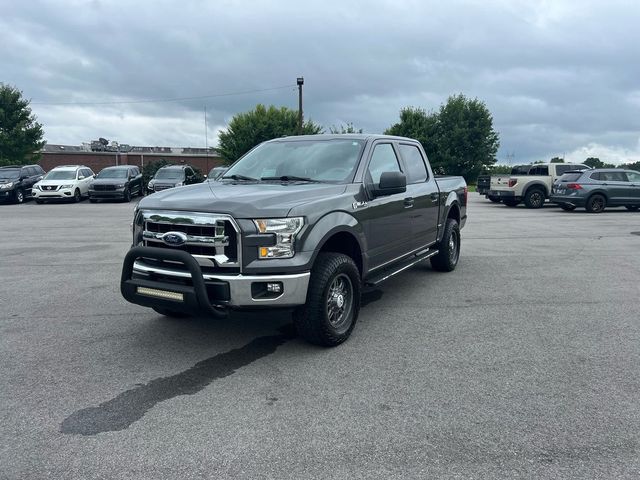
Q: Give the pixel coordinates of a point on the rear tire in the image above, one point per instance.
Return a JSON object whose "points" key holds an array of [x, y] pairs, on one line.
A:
{"points": [[596, 203], [632, 208], [568, 208], [333, 301], [448, 248], [534, 198], [511, 203], [127, 195], [170, 313]]}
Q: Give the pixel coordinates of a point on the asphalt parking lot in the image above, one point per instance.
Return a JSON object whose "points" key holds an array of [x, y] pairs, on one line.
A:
{"points": [[523, 363]]}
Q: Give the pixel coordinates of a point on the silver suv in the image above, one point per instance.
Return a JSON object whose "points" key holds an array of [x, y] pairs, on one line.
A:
{"points": [[597, 189]]}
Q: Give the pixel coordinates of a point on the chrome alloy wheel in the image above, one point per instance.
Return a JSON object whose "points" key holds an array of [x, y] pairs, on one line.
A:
{"points": [[340, 301]]}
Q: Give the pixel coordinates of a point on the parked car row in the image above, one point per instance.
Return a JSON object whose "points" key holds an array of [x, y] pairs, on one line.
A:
{"points": [[75, 182], [567, 185]]}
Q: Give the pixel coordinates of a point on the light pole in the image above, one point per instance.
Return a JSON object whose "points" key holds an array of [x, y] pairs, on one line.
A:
{"points": [[300, 81]]}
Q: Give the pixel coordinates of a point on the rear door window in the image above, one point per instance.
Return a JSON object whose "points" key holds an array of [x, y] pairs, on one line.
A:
{"points": [[561, 169], [633, 177], [614, 177], [595, 176], [539, 170]]}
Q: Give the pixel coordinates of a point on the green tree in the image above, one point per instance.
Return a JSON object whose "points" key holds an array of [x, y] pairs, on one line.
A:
{"points": [[557, 160], [459, 138], [20, 134], [594, 162], [348, 128], [248, 129]]}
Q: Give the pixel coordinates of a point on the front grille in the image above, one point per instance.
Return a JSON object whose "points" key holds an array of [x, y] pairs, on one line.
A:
{"points": [[50, 188], [157, 188], [211, 236], [104, 188]]}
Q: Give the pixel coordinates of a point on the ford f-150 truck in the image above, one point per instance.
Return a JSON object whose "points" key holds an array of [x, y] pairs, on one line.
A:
{"points": [[533, 187], [298, 222]]}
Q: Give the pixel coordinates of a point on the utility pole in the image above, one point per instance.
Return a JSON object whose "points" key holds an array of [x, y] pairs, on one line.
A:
{"points": [[206, 133], [300, 81]]}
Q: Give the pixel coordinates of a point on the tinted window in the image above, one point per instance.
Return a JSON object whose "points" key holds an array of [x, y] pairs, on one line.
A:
{"points": [[539, 170], [570, 177], [416, 169], [633, 177], [383, 160], [520, 170], [560, 169], [188, 171], [613, 177]]}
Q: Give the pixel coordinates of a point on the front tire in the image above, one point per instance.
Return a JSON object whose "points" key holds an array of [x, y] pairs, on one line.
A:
{"points": [[448, 248], [19, 196], [596, 203], [333, 301], [534, 198], [77, 196]]}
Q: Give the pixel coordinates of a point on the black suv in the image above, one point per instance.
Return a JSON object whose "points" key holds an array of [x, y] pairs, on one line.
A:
{"points": [[121, 182], [173, 176], [16, 181]]}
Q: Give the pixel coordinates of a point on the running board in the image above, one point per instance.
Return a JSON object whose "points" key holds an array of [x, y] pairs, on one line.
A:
{"points": [[400, 267]]}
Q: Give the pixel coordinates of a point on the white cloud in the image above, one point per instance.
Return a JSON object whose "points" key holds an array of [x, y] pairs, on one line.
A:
{"points": [[607, 153]]}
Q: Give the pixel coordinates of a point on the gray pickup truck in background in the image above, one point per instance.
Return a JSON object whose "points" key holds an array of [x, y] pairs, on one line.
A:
{"points": [[301, 223]]}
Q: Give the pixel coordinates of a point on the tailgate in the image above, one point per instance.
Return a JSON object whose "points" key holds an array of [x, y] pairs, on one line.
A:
{"points": [[499, 182]]}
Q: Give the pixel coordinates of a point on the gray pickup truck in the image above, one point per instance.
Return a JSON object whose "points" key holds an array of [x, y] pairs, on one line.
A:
{"points": [[300, 223]]}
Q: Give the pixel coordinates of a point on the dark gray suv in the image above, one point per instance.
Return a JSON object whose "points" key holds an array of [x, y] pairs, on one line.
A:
{"points": [[597, 189]]}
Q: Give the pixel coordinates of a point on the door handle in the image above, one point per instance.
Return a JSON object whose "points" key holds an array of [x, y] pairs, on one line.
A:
{"points": [[435, 197], [408, 202]]}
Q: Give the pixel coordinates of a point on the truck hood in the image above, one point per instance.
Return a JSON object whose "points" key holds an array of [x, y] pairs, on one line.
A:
{"points": [[241, 200]]}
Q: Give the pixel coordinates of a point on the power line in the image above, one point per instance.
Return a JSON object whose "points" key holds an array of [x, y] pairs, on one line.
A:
{"points": [[164, 100]]}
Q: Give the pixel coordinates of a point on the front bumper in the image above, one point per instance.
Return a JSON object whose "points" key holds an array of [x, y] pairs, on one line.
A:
{"points": [[53, 194], [111, 194], [6, 194], [148, 280]]}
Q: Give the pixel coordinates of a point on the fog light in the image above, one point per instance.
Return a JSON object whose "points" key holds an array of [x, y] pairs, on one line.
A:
{"points": [[152, 292], [274, 287]]}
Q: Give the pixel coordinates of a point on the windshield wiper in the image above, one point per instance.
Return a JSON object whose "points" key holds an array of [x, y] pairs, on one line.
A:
{"points": [[240, 177], [290, 178]]}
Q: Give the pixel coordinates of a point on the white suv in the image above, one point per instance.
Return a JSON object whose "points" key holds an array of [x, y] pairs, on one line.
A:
{"points": [[66, 182]]}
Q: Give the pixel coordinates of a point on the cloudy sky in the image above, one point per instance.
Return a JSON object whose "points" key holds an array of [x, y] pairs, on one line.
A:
{"points": [[561, 78]]}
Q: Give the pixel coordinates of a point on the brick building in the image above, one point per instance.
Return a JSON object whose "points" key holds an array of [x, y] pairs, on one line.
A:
{"points": [[56, 155]]}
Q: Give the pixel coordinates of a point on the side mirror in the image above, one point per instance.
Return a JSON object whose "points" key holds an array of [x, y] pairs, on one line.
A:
{"points": [[81, 177], [390, 183]]}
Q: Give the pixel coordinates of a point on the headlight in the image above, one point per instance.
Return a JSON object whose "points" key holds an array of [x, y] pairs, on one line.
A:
{"points": [[179, 184], [120, 185], [35, 187], [6, 186], [150, 185], [67, 186], [285, 230]]}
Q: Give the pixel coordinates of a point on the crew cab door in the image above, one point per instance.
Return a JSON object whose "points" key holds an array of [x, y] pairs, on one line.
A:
{"points": [[422, 188], [385, 220], [634, 187]]}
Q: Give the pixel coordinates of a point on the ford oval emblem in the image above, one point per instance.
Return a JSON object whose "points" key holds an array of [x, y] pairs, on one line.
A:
{"points": [[174, 239]]}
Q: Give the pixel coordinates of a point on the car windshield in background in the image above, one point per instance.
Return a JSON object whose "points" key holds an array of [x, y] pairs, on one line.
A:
{"points": [[10, 174], [315, 160], [168, 174], [570, 177], [112, 174], [61, 175]]}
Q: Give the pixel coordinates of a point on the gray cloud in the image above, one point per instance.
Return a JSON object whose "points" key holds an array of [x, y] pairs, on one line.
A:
{"points": [[558, 76]]}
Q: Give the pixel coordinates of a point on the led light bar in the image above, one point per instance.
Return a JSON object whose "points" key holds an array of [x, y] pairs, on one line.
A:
{"points": [[152, 292]]}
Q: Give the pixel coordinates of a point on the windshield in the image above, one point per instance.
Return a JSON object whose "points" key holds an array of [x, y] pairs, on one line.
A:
{"points": [[318, 160], [112, 173], [169, 174], [570, 177], [10, 174], [61, 175]]}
